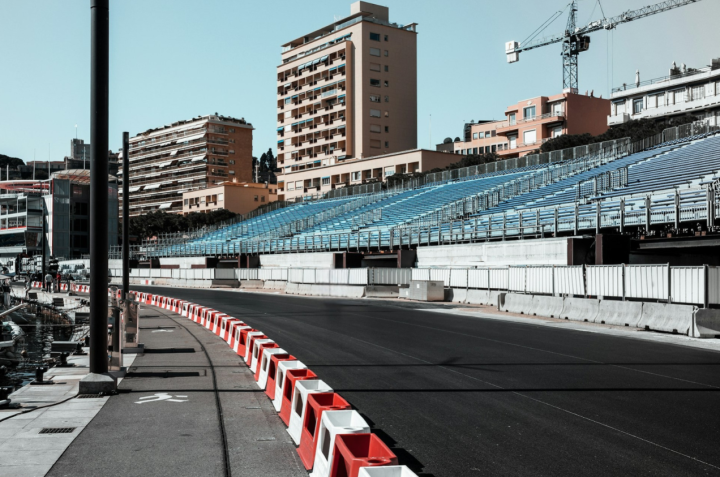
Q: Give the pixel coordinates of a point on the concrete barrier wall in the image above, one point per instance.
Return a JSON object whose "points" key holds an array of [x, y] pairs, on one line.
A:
{"points": [[312, 289], [707, 323], [619, 313], [517, 303], [551, 251], [298, 260], [580, 309], [667, 317], [547, 306]]}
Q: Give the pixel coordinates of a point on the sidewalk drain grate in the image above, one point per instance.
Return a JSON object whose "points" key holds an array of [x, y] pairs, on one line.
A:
{"points": [[57, 430], [89, 396]]}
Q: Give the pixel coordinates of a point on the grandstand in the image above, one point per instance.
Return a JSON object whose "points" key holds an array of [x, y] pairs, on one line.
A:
{"points": [[654, 184]]}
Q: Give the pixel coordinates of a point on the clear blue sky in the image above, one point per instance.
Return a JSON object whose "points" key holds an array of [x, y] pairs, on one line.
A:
{"points": [[174, 59]]}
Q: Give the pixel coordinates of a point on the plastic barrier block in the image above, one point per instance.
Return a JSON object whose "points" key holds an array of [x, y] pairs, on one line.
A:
{"points": [[386, 471], [282, 369], [272, 372], [299, 404], [224, 331], [241, 341], [316, 404], [237, 329], [264, 366], [262, 353], [292, 376], [251, 337], [256, 352], [353, 451]]}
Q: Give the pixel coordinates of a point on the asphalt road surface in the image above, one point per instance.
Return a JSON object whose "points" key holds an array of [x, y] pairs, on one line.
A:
{"points": [[464, 396]]}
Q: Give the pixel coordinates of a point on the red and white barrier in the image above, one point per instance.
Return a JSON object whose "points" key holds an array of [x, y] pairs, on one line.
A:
{"points": [[333, 423], [264, 365], [317, 403], [251, 337], [299, 404], [386, 471], [281, 379], [239, 337], [292, 377], [256, 350], [273, 373]]}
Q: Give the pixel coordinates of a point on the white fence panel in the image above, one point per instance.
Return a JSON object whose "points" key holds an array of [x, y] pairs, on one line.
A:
{"points": [[295, 275], [308, 275], [165, 273], [208, 273], [604, 280], [569, 280], [358, 276], [647, 281], [687, 285], [420, 274], [340, 276], [539, 280], [516, 279], [459, 277], [322, 275], [390, 276], [714, 285], [144, 273], [134, 272], [499, 278], [479, 278], [226, 273], [440, 274], [265, 274]]}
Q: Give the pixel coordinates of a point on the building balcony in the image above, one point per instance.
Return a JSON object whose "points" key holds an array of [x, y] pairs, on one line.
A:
{"points": [[504, 128]]}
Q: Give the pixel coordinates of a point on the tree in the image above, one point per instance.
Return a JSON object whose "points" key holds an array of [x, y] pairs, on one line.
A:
{"points": [[13, 162]]}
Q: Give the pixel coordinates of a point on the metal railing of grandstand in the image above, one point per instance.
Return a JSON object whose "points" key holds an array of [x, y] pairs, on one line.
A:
{"points": [[569, 219]]}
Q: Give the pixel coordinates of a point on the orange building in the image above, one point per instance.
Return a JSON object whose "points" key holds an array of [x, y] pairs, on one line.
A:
{"points": [[237, 197], [530, 123]]}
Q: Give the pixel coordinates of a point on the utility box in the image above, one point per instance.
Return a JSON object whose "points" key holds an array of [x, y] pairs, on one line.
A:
{"points": [[427, 290]]}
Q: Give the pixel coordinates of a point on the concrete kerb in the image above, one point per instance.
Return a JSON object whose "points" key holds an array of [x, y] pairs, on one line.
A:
{"points": [[580, 309], [619, 313], [667, 317]]}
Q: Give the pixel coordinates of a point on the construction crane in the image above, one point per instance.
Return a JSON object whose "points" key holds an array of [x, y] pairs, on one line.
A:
{"points": [[576, 40]]}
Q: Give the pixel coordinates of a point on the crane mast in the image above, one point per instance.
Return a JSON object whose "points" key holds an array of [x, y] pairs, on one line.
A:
{"points": [[575, 39]]}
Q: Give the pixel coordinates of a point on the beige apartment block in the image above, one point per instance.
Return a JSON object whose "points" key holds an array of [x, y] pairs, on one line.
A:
{"points": [[346, 91], [184, 156], [363, 171], [237, 197]]}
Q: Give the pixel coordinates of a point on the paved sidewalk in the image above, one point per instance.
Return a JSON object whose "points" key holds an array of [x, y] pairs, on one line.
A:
{"points": [[165, 420]]}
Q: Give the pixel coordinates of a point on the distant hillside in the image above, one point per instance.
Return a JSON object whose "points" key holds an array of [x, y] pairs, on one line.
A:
{"points": [[10, 161]]}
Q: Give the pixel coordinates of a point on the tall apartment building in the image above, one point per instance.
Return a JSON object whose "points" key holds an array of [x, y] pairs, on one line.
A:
{"points": [[531, 122], [184, 156], [347, 91], [79, 150]]}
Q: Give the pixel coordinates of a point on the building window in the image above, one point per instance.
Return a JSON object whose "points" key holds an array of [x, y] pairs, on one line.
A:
{"points": [[256, 198], [262, 198], [387, 98], [375, 36], [374, 51], [475, 135], [513, 141], [529, 137], [220, 197], [355, 176], [375, 128], [387, 128], [375, 143], [494, 148], [387, 53], [374, 82], [557, 131], [231, 172], [387, 114], [325, 181], [474, 150], [291, 186], [387, 68], [511, 119], [387, 143], [374, 66], [529, 112], [232, 161], [374, 113], [374, 98], [387, 83], [185, 202], [387, 38], [637, 106]]}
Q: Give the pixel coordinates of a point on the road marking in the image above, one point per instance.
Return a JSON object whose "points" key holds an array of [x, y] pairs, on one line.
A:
{"points": [[163, 331], [161, 397]]}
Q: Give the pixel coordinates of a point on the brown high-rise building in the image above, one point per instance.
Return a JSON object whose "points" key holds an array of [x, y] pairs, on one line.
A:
{"points": [[185, 156], [347, 91]]}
